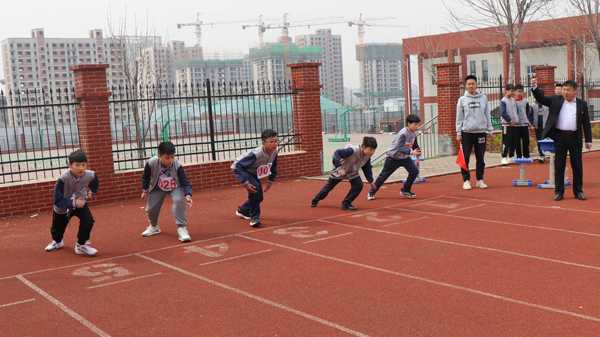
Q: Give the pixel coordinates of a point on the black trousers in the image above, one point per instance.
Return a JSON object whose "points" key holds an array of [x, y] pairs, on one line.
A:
{"points": [[477, 142], [538, 136], [390, 166], [568, 142], [507, 142], [356, 186], [252, 206], [520, 141], [60, 222]]}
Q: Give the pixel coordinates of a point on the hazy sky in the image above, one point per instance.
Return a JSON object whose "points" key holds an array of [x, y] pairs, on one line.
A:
{"points": [[70, 18]]}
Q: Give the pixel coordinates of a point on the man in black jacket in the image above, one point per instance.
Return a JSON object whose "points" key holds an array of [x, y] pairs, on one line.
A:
{"points": [[568, 122]]}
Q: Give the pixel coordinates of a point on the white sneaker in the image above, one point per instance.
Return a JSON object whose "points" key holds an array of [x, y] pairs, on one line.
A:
{"points": [[467, 185], [481, 184], [255, 222], [86, 250], [52, 246], [184, 236], [504, 161], [370, 196], [240, 214], [151, 230]]}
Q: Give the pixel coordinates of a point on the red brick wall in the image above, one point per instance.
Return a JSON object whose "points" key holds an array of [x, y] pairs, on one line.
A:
{"points": [[95, 138]]}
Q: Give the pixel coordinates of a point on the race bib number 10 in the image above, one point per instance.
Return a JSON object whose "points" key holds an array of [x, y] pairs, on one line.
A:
{"points": [[263, 171]]}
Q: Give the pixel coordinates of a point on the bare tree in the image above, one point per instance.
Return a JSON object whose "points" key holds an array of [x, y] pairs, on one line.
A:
{"points": [[508, 16], [141, 75], [590, 10]]}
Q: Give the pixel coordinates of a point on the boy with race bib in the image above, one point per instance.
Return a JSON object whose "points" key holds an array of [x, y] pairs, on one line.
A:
{"points": [[252, 167], [164, 175]]}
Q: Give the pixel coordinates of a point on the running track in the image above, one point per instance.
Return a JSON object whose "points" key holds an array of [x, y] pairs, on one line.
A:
{"points": [[503, 262]]}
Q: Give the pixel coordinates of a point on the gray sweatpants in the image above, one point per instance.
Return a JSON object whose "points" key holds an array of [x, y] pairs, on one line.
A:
{"points": [[155, 201]]}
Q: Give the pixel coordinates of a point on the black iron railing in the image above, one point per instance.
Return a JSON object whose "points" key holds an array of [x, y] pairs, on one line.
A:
{"points": [[38, 129], [207, 121]]}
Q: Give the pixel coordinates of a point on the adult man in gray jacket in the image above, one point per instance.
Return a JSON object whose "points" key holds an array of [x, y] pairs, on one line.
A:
{"points": [[473, 124]]}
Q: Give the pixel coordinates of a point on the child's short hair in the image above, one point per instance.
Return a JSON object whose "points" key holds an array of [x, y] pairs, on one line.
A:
{"points": [[559, 85], [471, 77], [519, 87], [412, 118], [369, 142], [166, 148], [509, 87], [268, 133], [77, 156]]}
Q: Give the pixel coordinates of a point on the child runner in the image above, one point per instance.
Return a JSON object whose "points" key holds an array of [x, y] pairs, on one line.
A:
{"points": [[73, 189], [164, 175], [398, 155], [250, 169], [521, 139], [508, 112], [347, 162]]}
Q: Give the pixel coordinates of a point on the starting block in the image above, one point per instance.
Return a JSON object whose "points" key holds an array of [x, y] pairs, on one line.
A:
{"points": [[522, 181], [547, 146], [419, 179]]}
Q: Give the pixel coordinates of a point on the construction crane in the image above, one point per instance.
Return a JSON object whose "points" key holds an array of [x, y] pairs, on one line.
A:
{"points": [[198, 24], [262, 28], [361, 23]]}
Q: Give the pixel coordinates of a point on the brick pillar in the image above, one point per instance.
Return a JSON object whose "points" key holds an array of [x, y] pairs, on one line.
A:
{"points": [[545, 78], [406, 77], [517, 70], [307, 113], [448, 92], [505, 61], [93, 120]]}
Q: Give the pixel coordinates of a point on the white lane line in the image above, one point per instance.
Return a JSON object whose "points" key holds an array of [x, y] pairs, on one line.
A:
{"points": [[256, 297], [236, 257], [528, 205], [123, 281], [329, 237], [91, 326], [466, 245], [429, 281], [2, 306], [405, 222]]}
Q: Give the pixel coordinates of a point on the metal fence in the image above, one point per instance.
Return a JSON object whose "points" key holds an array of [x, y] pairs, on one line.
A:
{"points": [[38, 129], [357, 120], [207, 121]]}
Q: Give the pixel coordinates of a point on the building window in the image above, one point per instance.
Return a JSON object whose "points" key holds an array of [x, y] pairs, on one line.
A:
{"points": [[484, 71], [530, 71], [473, 68], [433, 75]]}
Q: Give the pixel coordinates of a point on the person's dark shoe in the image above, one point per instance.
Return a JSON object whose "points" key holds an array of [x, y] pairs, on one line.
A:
{"points": [[558, 197], [580, 196], [349, 207], [313, 204]]}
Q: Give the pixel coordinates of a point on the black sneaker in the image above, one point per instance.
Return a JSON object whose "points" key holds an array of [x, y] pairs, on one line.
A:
{"points": [[408, 194], [314, 204], [349, 207], [254, 223], [240, 213]]}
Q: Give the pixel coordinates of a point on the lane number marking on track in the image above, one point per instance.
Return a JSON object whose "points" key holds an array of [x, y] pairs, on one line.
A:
{"points": [[213, 251], [300, 232], [102, 272], [377, 217]]}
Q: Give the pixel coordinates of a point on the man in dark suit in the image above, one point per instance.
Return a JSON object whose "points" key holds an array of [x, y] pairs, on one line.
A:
{"points": [[568, 122]]}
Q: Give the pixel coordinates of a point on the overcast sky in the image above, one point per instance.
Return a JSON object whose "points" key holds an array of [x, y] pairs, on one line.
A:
{"points": [[70, 18]]}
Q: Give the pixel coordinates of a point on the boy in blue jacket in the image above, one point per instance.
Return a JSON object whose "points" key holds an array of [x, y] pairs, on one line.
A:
{"points": [[399, 155], [347, 162]]}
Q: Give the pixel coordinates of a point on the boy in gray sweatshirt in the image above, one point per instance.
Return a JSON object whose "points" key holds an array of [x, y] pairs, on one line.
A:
{"points": [[473, 124], [164, 175], [508, 112], [399, 155]]}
